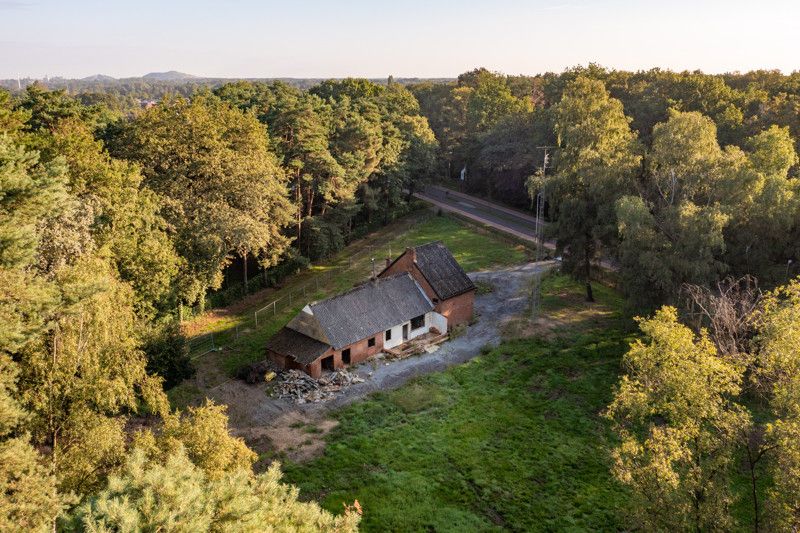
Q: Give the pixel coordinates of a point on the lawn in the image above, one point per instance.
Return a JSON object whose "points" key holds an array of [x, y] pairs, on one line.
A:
{"points": [[243, 342], [511, 440]]}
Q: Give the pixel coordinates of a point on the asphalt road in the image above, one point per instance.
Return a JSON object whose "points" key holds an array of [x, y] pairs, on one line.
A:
{"points": [[500, 217], [516, 223]]}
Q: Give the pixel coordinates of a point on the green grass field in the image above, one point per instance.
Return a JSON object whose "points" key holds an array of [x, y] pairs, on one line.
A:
{"points": [[511, 440]]}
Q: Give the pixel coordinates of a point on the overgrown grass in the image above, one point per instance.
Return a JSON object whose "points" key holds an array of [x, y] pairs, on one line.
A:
{"points": [[511, 440]]}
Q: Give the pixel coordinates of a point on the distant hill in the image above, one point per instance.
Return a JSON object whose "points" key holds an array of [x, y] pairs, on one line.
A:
{"points": [[168, 76], [99, 77]]}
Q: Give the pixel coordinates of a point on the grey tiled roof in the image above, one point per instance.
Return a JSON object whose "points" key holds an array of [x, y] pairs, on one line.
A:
{"points": [[371, 308], [442, 271], [294, 344]]}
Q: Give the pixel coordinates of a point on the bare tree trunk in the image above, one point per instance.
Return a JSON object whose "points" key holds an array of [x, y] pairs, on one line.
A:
{"points": [[244, 267], [298, 199], [587, 265], [310, 208]]}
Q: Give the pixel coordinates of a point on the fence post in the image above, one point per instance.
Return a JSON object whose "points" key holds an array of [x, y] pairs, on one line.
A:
{"points": [[274, 308], [213, 347], [255, 315]]}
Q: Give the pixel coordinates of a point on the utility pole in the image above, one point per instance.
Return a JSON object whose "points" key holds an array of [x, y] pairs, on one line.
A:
{"points": [[539, 235]]}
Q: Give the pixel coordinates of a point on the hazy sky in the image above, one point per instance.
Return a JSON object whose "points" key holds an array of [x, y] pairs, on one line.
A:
{"points": [[424, 38]]}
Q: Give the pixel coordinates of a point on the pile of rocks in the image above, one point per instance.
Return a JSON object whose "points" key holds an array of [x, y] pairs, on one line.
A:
{"points": [[302, 388]]}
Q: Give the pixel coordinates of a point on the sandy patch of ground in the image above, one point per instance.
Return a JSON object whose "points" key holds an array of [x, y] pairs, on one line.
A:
{"points": [[573, 311], [295, 435]]}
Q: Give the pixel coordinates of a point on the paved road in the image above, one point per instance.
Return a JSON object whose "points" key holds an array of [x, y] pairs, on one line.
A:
{"points": [[516, 223], [500, 217]]}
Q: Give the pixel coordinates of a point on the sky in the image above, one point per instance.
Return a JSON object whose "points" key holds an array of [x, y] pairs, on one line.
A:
{"points": [[404, 38]]}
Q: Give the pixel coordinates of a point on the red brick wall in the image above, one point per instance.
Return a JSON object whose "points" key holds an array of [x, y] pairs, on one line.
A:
{"points": [[404, 263], [286, 363], [457, 310], [359, 351]]}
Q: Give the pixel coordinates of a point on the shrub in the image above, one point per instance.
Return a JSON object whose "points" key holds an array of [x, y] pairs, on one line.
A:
{"points": [[168, 354]]}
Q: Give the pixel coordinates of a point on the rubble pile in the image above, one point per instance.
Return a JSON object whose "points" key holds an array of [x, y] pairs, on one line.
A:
{"points": [[302, 388]]}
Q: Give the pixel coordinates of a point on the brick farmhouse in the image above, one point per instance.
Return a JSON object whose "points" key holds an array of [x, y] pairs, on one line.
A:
{"points": [[424, 290], [441, 277]]}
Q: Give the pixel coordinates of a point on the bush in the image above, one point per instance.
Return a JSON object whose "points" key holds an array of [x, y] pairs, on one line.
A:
{"points": [[168, 354], [293, 263]]}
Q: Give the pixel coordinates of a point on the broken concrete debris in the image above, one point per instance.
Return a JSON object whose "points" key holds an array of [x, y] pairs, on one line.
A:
{"points": [[302, 388]]}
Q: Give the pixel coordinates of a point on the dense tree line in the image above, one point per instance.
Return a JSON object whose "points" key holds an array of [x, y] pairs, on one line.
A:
{"points": [[109, 222], [702, 409], [678, 177]]}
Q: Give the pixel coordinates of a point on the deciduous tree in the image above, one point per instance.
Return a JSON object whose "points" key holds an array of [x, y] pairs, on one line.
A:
{"points": [[677, 424]]}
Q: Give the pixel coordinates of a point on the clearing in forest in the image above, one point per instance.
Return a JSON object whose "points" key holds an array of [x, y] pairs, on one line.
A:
{"points": [[241, 342]]}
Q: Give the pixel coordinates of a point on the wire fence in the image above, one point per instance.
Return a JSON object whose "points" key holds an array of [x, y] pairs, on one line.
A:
{"points": [[299, 294], [320, 286]]}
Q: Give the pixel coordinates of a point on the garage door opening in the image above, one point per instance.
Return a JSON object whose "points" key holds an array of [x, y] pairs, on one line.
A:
{"points": [[327, 363]]}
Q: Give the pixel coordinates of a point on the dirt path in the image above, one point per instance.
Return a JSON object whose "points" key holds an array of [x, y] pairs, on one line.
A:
{"points": [[273, 424]]}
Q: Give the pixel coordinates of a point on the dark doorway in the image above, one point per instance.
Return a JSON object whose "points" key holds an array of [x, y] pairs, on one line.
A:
{"points": [[405, 332], [327, 363], [346, 356]]}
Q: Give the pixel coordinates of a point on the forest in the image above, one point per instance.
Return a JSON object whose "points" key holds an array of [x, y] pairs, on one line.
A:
{"points": [[118, 220]]}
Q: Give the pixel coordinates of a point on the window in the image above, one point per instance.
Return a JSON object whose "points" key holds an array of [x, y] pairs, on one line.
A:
{"points": [[371, 342], [388, 334], [418, 322]]}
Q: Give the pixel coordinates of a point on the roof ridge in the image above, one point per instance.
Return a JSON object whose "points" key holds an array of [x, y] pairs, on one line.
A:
{"points": [[362, 286]]}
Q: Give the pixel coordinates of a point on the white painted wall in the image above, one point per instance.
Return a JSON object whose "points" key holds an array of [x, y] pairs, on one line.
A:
{"points": [[438, 321], [431, 319], [397, 337], [419, 331]]}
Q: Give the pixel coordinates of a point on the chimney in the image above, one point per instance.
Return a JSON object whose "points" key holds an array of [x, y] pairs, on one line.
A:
{"points": [[374, 275]]}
